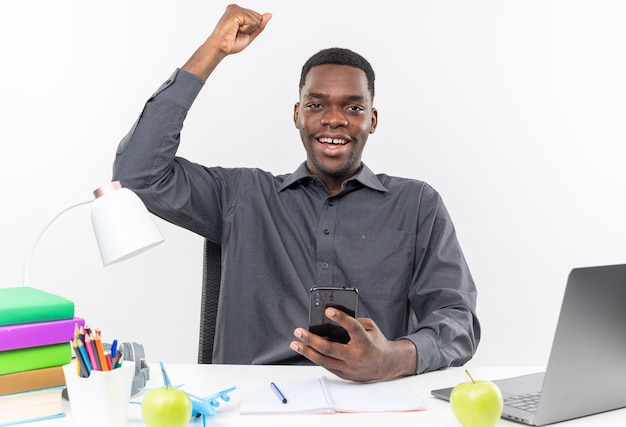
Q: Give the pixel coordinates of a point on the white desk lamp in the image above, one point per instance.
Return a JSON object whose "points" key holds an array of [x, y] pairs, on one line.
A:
{"points": [[122, 225]]}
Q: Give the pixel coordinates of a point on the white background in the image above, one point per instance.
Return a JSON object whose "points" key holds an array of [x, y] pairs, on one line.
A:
{"points": [[513, 110]]}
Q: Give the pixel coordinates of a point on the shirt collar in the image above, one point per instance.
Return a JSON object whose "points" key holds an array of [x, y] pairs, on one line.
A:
{"points": [[365, 176]]}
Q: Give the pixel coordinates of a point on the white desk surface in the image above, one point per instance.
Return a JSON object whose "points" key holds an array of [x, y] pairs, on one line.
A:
{"points": [[203, 380]]}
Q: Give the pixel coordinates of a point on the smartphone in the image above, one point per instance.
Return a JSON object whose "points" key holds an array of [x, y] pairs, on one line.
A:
{"points": [[341, 297]]}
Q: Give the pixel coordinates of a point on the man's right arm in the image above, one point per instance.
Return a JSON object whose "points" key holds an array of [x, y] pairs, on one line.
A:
{"points": [[237, 28], [145, 159]]}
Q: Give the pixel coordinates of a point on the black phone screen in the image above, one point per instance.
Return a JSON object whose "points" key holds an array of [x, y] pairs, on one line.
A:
{"points": [[340, 297]]}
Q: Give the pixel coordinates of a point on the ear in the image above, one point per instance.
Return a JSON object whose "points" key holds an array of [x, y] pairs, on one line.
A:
{"points": [[374, 120], [296, 113]]}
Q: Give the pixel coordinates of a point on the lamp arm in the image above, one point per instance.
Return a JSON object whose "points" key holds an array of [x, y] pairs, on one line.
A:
{"points": [[29, 254]]}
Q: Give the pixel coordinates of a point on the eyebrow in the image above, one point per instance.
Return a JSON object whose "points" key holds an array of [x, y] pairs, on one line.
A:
{"points": [[351, 98]]}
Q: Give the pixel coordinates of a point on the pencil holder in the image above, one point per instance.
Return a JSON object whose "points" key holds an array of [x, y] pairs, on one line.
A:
{"points": [[100, 400]]}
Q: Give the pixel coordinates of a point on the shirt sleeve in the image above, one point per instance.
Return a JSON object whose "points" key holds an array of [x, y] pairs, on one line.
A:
{"points": [[146, 161], [443, 293]]}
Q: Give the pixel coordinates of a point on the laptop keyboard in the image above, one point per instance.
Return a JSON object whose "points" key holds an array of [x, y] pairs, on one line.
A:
{"points": [[527, 402]]}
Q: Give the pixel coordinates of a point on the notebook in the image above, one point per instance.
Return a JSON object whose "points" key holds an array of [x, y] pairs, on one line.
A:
{"points": [[325, 395], [586, 373]]}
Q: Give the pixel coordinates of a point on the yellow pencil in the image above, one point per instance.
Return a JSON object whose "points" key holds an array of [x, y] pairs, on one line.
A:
{"points": [[77, 356], [76, 334]]}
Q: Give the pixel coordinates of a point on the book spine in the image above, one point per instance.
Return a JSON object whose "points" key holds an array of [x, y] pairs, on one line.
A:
{"points": [[25, 359], [28, 305], [42, 314], [31, 406], [38, 334], [34, 379]]}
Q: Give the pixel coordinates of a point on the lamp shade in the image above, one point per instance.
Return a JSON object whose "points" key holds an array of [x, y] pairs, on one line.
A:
{"points": [[122, 224]]}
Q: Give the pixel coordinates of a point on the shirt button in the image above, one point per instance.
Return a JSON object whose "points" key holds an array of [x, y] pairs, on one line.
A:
{"points": [[331, 203], [325, 266], [326, 231]]}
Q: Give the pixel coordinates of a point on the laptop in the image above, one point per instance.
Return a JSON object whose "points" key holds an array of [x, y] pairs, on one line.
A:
{"points": [[586, 371]]}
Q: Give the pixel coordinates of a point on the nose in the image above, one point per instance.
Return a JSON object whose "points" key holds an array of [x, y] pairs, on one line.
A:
{"points": [[334, 117]]}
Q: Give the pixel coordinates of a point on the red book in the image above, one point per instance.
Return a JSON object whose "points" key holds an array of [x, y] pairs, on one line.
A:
{"points": [[38, 334]]}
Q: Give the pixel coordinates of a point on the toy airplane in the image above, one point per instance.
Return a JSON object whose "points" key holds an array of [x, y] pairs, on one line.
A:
{"points": [[201, 406], [204, 406]]}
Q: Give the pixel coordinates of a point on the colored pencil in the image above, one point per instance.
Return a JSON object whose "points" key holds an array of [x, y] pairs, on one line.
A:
{"points": [[82, 362], [95, 364], [100, 351]]}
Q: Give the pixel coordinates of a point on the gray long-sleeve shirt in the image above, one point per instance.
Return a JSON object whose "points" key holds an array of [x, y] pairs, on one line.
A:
{"points": [[392, 238]]}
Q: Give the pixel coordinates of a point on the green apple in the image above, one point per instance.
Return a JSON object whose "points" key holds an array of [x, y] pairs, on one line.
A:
{"points": [[166, 407], [476, 403]]}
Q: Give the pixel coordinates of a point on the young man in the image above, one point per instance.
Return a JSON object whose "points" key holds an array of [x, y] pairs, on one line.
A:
{"points": [[332, 222]]}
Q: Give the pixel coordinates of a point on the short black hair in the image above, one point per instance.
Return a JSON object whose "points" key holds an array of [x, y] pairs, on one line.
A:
{"points": [[339, 56]]}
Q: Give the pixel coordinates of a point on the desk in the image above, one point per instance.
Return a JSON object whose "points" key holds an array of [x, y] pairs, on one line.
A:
{"points": [[206, 379]]}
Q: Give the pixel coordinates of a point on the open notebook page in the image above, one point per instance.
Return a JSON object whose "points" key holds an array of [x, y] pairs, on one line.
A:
{"points": [[325, 395], [304, 397], [388, 396]]}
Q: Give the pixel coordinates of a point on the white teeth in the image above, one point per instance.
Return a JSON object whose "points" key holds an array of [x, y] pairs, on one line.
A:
{"points": [[333, 141]]}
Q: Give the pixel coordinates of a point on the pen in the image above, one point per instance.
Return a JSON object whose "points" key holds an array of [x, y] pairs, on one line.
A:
{"points": [[118, 359], [113, 349], [280, 393]]}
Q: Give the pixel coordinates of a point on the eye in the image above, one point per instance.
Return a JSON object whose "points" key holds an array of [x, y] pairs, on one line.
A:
{"points": [[314, 106], [355, 108]]}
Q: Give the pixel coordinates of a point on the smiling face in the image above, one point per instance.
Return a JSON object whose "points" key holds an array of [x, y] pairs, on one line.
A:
{"points": [[335, 116]]}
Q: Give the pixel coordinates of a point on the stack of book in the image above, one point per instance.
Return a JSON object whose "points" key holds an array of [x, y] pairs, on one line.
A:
{"points": [[36, 329]]}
